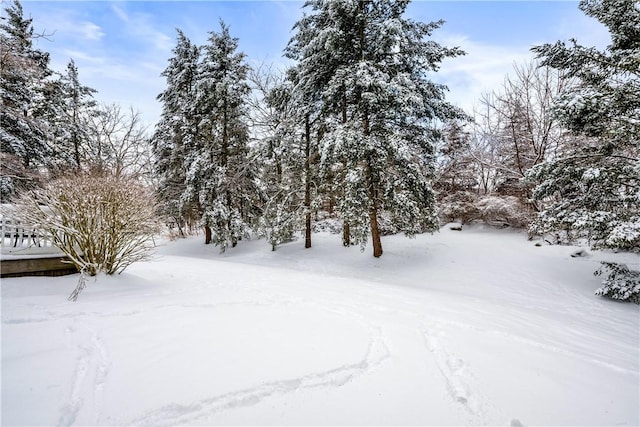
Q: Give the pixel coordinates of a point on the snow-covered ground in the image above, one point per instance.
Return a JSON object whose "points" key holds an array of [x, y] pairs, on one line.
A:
{"points": [[475, 327]]}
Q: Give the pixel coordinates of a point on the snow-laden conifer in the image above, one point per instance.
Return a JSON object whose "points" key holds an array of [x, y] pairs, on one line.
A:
{"points": [[369, 67], [595, 187], [219, 175], [289, 128], [24, 133], [175, 131], [71, 107]]}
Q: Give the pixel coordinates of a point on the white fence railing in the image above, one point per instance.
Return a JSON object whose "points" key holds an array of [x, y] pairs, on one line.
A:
{"points": [[15, 235]]}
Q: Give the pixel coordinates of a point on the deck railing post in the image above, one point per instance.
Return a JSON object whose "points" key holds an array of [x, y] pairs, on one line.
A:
{"points": [[15, 234]]}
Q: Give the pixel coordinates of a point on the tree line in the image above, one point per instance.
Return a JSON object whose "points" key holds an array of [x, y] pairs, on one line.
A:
{"points": [[51, 123], [357, 130], [351, 129]]}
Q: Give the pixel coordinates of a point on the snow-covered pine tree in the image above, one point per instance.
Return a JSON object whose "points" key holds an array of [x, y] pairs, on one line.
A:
{"points": [[71, 104], [456, 165], [293, 154], [24, 133], [175, 130], [220, 176], [322, 47], [276, 131], [457, 183], [596, 186], [368, 64]]}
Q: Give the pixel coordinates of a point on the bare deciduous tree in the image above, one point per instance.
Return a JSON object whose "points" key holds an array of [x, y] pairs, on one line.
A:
{"points": [[516, 130], [120, 142]]}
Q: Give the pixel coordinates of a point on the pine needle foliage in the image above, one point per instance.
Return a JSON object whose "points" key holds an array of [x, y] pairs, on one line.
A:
{"points": [[594, 189]]}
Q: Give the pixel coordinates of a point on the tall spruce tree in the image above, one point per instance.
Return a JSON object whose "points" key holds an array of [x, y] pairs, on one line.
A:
{"points": [[322, 47], [596, 186], [219, 175], [176, 130], [25, 134], [289, 153], [71, 104], [368, 66]]}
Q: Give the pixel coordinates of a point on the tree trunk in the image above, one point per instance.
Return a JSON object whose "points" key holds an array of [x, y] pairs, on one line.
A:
{"points": [[76, 141], [230, 228], [346, 232], [371, 178], [180, 230], [225, 136], [307, 183], [373, 196], [375, 233], [207, 235]]}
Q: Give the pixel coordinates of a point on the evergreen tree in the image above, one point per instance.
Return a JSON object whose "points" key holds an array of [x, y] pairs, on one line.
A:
{"points": [[176, 130], [596, 185], [323, 49], [456, 169], [289, 154], [275, 130], [70, 105], [24, 133], [367, 64], [457, 185], [220, 176]]}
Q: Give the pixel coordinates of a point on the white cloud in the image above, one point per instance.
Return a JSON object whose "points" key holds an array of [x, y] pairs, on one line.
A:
{"points": [[120, 13], [64, 24], [90, 31], [78, 55], [482, 70], [586, 30], [485, 66], [126, 83], [140, 26]]}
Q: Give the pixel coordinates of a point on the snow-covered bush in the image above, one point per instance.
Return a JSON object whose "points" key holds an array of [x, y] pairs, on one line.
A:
{"points": [[459, 206], [388, 225], [334, 225], [102, 222], [504, 210], [278, 224], [465, 207], [328, 225], [621, 283]]}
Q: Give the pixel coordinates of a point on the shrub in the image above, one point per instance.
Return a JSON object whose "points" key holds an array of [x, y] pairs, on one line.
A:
{"points": [[466, 207], [102, 222], [329, 225], [621, 283], [505, 210], [459, 206]]}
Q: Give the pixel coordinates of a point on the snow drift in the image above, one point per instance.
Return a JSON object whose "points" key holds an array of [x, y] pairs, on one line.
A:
{"points": [[474, 327]]}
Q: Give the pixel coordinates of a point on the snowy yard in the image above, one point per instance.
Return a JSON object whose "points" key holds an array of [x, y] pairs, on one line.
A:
{"points": [[475, 327]]}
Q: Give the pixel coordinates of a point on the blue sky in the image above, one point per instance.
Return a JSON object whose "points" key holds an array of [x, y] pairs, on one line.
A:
{"points": [[121, 47]]}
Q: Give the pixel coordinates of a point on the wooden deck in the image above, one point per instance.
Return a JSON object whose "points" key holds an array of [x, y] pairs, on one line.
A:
{"points": [[27, 251], [41, 266]]}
